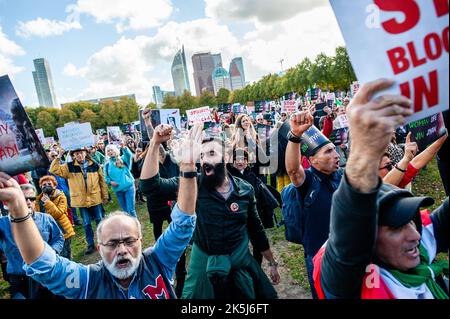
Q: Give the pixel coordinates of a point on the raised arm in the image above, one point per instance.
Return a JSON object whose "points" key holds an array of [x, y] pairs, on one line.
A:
{"points": [[395, 176], [429, 153], [354, 210], [299, 123], [59, 169]]}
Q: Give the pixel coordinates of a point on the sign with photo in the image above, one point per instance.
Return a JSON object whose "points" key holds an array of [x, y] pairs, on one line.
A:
{"points": [[20, 148], [114, 135]]}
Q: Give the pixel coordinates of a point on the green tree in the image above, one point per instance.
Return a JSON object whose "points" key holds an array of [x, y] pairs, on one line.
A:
{"points": [[222, 96], [47, 122], [207, 99], [108, 114], [343, 73], [186, 101], [65, 116], [170, 102], [89, 116]]}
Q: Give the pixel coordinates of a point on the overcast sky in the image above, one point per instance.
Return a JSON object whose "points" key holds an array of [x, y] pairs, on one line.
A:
{"points": [[99, 48]]}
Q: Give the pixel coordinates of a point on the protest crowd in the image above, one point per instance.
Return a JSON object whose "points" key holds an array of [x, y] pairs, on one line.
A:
{"points": [[338, 166], [333, 169]]}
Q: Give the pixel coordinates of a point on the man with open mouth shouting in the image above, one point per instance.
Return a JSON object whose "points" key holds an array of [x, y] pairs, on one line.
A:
{"points": [[126, 271], [221, 265]]}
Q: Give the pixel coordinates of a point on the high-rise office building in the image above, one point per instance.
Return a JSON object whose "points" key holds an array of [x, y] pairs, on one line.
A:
{"points": [[217, 60], [179, 73], [43, 81], [221, 79], [237, 74], [158, 97], [204, 65]]}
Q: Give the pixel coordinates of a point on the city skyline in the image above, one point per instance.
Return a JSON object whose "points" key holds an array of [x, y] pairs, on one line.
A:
{"points": [[96, 50]]}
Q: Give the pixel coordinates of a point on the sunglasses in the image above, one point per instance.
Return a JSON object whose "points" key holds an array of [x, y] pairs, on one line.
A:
{"points": [[32, 199]]}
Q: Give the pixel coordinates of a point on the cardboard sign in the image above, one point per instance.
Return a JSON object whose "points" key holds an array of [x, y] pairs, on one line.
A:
{"points": [[20, 149], [426, 131], [75, 136], [343, 120], [114, 135], [198, 115], [403, 40]]}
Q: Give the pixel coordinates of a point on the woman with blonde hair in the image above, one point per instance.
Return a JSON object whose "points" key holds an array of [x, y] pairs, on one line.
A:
{"points": [[117, 171]]}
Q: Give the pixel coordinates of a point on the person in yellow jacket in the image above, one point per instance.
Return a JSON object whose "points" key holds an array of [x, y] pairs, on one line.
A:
{"points": [[53, 202], [87, 187]]}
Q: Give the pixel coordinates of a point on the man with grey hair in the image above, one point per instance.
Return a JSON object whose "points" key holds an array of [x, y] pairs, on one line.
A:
{"points": [[22, 286], [125, 272]]}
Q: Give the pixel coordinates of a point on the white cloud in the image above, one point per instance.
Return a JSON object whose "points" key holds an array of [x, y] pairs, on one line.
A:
{"points": [[8, 49], [127, 14], [305, 35], [135, 65], [265, 11], [43, 28]]}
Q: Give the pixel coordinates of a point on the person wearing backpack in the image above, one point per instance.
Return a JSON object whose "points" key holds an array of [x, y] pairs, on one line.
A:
{"points": [[117, 171], [307, 200]]}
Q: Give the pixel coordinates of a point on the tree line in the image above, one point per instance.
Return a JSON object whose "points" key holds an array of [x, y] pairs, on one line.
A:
{"points": [[326, 72]]}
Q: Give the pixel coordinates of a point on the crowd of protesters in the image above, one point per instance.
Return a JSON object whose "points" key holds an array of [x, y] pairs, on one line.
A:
{"points": [[218, 189]]}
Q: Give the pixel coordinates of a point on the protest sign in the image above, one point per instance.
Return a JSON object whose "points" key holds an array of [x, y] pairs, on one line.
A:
{"points": [[319, 109], [143, 128], [425, 131], [403, 40], [212, 129], [354, 87], [49, 140], [339, 136], [224, 108], [40, 135], [259, 107], [198, 115], [76, 136], [313, 94], [114, 135], [343, 120], [263, 131], [289, 106], [20, 149], [237, 108]]}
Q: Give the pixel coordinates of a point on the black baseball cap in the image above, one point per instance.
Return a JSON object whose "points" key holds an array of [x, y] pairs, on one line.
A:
{"points": [[397, 207]]}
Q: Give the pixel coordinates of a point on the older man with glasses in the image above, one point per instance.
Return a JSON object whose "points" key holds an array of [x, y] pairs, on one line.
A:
{"points": [[22, 286]]}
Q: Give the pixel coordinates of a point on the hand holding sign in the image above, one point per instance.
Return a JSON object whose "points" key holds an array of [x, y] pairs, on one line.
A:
{"points": [[300, 122]]}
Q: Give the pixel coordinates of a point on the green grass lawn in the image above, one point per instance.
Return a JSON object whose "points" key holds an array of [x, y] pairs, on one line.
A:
{"points": [[427, 183]]}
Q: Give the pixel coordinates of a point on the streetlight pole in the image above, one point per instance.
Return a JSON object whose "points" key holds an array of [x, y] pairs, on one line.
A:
{"points": [[281, 62]]}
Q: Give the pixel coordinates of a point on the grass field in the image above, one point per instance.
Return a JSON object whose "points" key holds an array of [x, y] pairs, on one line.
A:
{"points": [[427, 183]]}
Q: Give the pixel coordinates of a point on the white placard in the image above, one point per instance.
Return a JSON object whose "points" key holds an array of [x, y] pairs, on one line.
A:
{"points": [[40, 135], [199, 115], [76, 136], [114, 135], [289, 106], [171, 117], [403, 40]]}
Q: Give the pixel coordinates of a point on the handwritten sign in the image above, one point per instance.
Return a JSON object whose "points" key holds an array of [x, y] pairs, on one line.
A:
{"points": [[75, 136], [289, 106], [403, 40], [198, 115], [425, 131], [114, 135]]}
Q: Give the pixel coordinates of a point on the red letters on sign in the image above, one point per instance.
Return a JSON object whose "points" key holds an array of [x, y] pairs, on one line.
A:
{"points": [[409, 8], [421, 90]]}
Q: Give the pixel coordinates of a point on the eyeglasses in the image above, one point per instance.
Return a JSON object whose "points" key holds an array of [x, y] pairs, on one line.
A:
{"points": [[32, 199], [387, 166], [113, 244]]}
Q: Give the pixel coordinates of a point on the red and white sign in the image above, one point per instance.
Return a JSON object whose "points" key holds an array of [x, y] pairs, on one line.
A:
{"points": [[198, 115], [289, 106], [404, 40]]}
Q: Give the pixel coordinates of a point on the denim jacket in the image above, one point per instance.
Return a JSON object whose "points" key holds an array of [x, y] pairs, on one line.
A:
{"points": [[50, 232], [152, 280]]}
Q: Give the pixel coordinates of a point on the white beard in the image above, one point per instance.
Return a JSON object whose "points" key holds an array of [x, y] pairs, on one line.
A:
{"points": [[125, 272]]}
